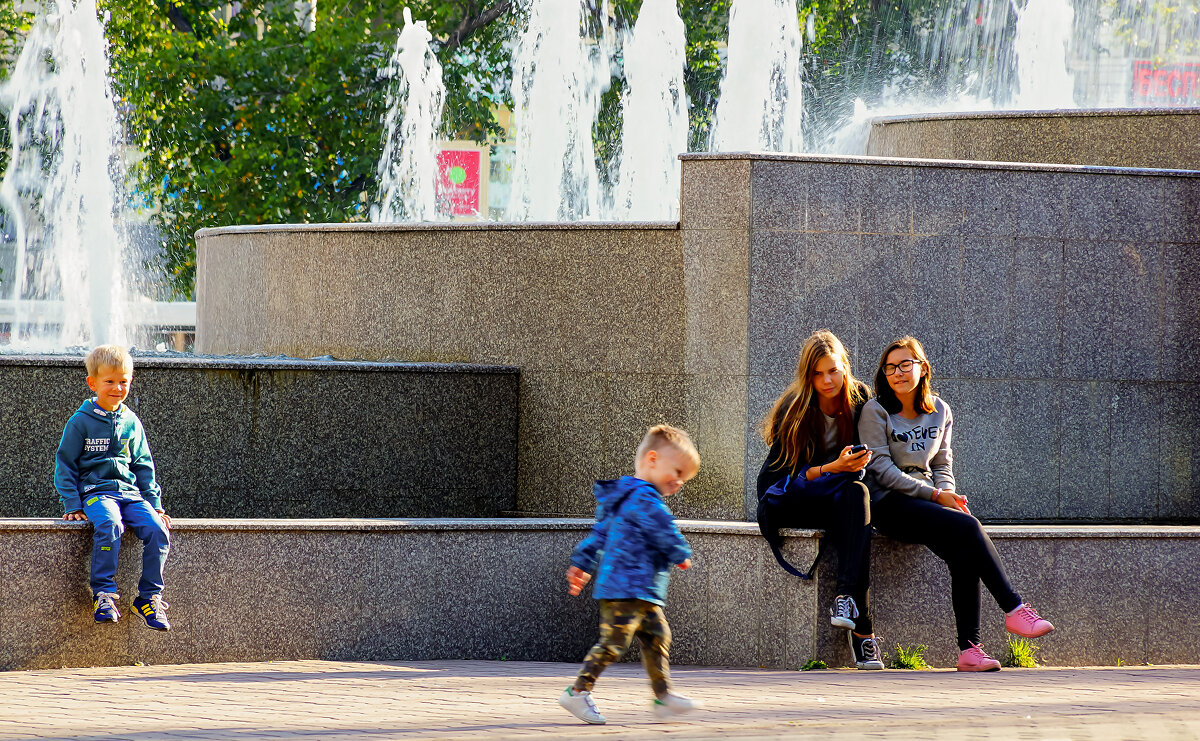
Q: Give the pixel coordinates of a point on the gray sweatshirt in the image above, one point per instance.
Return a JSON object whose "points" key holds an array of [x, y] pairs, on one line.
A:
{"points": [[911, 456]]}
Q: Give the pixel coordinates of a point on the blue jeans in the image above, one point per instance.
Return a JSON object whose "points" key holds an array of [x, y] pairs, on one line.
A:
{"points": [[109, 514]]}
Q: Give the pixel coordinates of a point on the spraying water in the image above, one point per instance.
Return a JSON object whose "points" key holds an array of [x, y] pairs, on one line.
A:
{"points": [[760, 104], [558, 78], [655, 128], [58, 194], [408, 165], [1043, 34]]}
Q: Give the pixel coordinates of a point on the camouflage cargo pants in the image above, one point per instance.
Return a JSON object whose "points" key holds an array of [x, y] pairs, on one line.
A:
{"points": [[620, 621]]}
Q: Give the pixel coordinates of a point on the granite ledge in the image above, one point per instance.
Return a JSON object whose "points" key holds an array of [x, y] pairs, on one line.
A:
{"points": [[1046, 113], [255, 362], [438, 226], [724, 527], [957, 164], [394, 524]]}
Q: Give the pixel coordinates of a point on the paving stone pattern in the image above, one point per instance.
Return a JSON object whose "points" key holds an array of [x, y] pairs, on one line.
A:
{"points": [[516, 700]]}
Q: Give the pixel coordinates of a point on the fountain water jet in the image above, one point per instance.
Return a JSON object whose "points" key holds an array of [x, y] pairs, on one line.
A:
{"points": [[558, 79], [655, 129], [408, 165], [760, 105], [61, 191], [1043, 36]]}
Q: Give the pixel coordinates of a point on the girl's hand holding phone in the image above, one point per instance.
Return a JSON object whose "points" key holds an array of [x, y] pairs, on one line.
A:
{"points": [[854, 458]]}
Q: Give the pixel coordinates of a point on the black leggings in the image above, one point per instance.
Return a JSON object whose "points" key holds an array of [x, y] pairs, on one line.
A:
{"points": [[958, 539], [846, 519]]}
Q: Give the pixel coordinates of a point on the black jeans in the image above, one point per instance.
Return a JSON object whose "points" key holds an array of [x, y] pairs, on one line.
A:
{"points": [[958, 539], [846, 519]]}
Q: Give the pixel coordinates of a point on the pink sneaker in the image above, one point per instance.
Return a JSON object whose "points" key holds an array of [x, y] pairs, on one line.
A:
{"points": [[1027, 623], [975, 660]]}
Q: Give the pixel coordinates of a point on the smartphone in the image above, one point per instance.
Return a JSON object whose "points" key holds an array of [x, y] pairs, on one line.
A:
{"points": [[857, 449]]}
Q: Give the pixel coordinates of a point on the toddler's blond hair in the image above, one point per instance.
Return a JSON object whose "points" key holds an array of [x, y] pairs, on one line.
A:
{"points": [[666, 436], [108, 356]]}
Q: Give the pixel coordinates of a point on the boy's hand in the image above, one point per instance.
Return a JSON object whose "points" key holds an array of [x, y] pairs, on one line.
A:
{"points": [[686, 564], [576, 578], [166, 519], [76, 515]]}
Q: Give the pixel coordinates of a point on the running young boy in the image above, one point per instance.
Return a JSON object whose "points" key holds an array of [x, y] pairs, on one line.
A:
{"points": [[639, 540], [104, 473]]}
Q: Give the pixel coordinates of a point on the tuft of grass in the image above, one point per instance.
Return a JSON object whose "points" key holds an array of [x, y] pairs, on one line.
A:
{"points": [[908, 657], [814, 664], [1021, 653]]}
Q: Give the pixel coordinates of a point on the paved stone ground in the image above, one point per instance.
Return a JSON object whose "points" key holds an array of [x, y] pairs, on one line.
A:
{"points": [[515, 700]]}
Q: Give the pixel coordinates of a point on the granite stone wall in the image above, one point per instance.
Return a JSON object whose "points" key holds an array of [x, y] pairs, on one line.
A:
{"points": [[283, 438], [595, 316], [1166, 138], [257, 590], [1109, 591], [1059, 306]]}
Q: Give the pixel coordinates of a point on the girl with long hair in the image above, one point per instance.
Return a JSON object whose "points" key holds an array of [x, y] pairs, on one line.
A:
{"points": [[914, 498], [812, 479]]}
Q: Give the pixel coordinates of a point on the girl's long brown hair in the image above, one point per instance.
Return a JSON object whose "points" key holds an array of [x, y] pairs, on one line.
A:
{"points": [[923, 399], [795, 419]]}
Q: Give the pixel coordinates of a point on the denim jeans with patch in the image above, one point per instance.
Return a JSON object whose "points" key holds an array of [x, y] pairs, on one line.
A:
{"points": [[109, 515]]}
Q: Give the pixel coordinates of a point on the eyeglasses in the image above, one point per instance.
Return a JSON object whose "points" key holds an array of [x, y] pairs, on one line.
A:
{"points": [[904, 365]]}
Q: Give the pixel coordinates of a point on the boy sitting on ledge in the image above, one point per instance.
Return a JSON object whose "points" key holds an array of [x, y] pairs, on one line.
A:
{"points": [[640, 543], [104, 473]]}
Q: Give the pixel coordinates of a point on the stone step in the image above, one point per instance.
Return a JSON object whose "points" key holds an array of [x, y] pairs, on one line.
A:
{"points": [[420, 589]]}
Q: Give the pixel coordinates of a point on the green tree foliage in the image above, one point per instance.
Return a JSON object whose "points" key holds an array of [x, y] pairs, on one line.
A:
{"points": [[246, 118], [13, 26], [1160, 30]]}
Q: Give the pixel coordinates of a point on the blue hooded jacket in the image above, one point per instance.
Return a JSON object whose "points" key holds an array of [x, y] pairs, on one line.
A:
{"points": [[104, 452], [634, 539]]}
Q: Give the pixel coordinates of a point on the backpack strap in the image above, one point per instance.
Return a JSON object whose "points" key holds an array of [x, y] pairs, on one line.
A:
{"points": [[775, 540]]}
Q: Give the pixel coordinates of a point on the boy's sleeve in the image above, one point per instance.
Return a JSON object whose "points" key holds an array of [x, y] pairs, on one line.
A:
{"points": [[142, 466], [66, 467], [664, 535], [587, 553]]}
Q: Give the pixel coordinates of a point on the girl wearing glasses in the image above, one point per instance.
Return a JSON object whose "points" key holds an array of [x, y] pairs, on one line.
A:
{"points": [[812, 478], [911, 477]]}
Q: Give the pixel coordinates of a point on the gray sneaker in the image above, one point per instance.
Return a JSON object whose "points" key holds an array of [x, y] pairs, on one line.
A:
{"points": [[843, 612], [581, 706], [866, 652]]}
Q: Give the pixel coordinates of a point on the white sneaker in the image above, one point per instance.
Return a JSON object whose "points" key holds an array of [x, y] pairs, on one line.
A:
{"points": [[581, 706], [673, 705]]}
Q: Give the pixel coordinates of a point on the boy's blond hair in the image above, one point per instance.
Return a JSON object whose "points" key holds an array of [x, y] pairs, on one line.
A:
{"points": [[666, 436], [108, 356]]}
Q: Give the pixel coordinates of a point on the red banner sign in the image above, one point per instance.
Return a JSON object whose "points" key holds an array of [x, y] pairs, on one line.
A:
{"points": [[459, 173], [1166, 85]]}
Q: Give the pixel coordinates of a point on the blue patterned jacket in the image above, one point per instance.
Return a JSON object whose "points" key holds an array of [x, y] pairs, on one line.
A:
{"points": [[635, 541]]}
